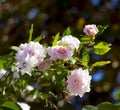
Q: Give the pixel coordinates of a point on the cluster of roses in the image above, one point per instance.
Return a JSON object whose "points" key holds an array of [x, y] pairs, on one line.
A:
{"points": [[33, 54]]}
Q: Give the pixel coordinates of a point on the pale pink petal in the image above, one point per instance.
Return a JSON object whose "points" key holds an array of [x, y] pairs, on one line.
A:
{"points": [[59, 52], [79, 82], [70, 41], [90, 30], [29, 56]]}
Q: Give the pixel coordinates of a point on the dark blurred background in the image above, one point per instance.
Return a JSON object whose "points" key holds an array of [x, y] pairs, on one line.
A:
{"points": [[52, 16]]}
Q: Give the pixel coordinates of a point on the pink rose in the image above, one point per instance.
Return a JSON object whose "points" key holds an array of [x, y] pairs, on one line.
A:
{"points": [[90, 30], [59, 52], [29, 56], [79, 82], [70, 41]]}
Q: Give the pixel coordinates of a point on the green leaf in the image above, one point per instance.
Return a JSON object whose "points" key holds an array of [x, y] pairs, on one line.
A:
{"points": [[56, 39], [16, 48], [11, 105], [101, 48], [42, 96], [61, 76], [85, 57], [117, 96], [72, 60], [85, 51], [7, 60], [39, 38], [90, 107], [30, 33], [103, 106], [45, 84], [85, 60], [101, 63], [1, 64], [85, 40], [67, 32], [101, 29], [61, 72], [108, 106]]}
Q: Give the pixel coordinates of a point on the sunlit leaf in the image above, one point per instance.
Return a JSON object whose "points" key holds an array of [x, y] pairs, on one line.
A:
{"points": [[117, 96], [85, 40], [30, 33], [85, 60], [1, 64], [11, 105], [56, 38], [67, 32], [101, 63], [16, 48], [85, 57], [101, 48], [39, 38], [72, 60]]}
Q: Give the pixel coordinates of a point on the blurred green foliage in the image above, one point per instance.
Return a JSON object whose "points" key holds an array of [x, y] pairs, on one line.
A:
{"points": [[50, 17]]}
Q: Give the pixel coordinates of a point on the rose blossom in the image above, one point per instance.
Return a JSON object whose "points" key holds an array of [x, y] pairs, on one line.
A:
{"points": [[90, 30], [29, 56], [79, 82], [59, 52], [23, 106], [71, 42]]}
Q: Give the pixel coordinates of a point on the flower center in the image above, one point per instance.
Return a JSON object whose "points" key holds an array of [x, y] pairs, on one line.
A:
{"points": [[31, 52], [62, 51]]}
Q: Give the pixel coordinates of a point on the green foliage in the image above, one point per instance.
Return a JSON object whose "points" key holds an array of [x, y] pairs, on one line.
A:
{"points": [[39, 38], [101, 29], [101, 63], [7, 60], [30, 33], [51, 83], [16, 48], [103, 106], [10, 105], [58, 73], [67, 32], [101, 48], [85, 57], [89, 107], [117, 96], [15, 19], [57, 36], [85, 39], [85, 60], [1, 64], [42, 96]]}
